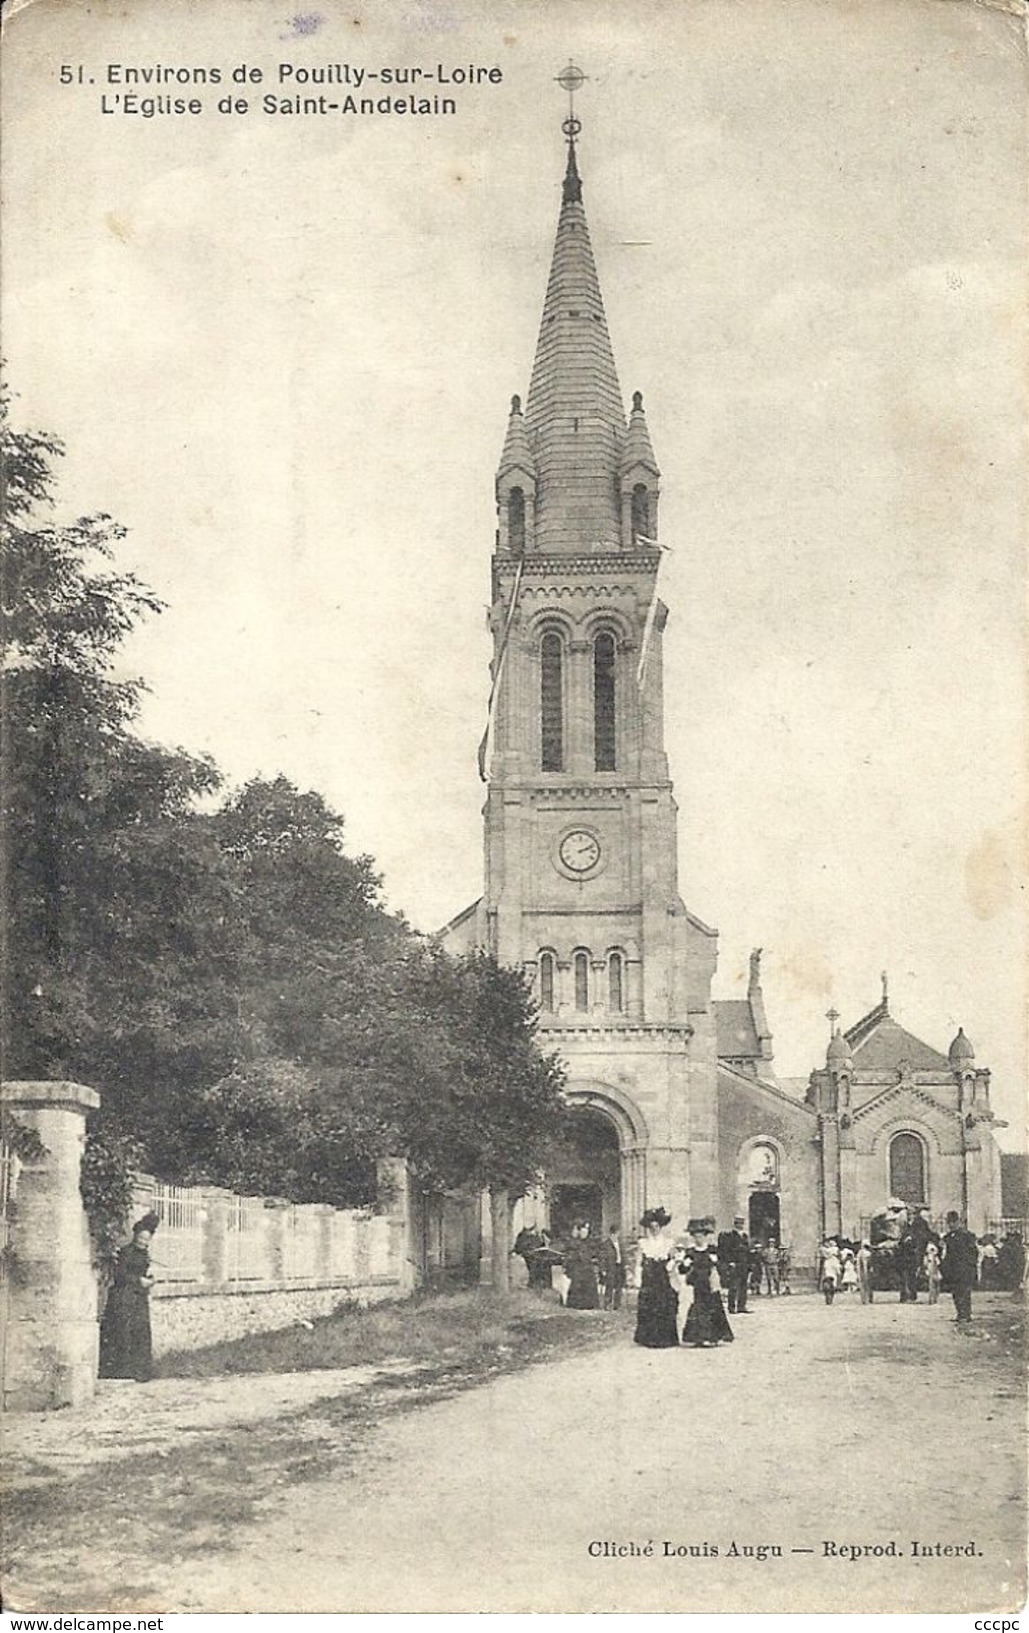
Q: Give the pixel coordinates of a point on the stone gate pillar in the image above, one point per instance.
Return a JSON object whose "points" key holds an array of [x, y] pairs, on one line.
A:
{"points": [[51, 1339]]}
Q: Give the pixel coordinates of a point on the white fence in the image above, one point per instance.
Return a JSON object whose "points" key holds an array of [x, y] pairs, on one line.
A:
{"points": [[208, 1236]]}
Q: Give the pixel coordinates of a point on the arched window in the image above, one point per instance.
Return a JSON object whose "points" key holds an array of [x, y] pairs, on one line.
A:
{"points": [[604, 702], [547, 982], [761, 1165], [551, 703], [615, 983], [907, 1169], [581, 965], [516, 521], [640, 511]]}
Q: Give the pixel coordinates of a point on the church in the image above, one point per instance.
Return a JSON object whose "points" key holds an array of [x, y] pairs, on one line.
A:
{"points": [[675, 1093]]}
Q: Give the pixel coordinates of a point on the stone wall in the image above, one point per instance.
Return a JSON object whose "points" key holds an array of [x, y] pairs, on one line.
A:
{"points": [[186, 1318]]}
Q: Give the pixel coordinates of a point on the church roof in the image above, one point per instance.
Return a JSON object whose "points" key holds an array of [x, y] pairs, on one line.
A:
{"points": [[735, 1032], [574, 414], [761, 1086], [879, 1042]]}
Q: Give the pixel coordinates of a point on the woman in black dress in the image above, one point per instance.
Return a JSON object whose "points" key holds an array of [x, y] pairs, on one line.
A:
{"points": [[580, 1261], [706, 1323], [658, 1302], [126, 1350]]}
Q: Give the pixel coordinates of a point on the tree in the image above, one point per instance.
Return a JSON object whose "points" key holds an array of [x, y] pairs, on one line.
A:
{"points": [[472, 1100], [88, 809]]}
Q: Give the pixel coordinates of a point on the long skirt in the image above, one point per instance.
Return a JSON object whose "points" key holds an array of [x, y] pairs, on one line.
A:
{"points": [[125, 1344], [656, 1308], [583, 1290], [707, 1322]]}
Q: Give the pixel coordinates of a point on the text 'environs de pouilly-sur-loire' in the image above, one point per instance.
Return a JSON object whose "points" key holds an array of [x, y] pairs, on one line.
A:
{"points": [[296, 81]]}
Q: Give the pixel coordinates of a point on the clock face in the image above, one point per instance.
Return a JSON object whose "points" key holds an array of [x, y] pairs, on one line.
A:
{"points": [[580, 851]]}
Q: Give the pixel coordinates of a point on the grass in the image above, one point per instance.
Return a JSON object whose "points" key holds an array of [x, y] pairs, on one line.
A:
{"points": [[469, 1324]]}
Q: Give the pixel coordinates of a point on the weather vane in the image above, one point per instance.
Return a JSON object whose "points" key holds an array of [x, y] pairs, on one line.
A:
{"points": [[571, 79]]}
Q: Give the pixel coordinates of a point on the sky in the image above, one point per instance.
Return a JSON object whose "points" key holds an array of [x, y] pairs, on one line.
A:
{"points": [[280, 350]]}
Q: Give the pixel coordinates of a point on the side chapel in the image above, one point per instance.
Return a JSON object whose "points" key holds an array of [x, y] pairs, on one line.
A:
{"points": [[676, 1096]]}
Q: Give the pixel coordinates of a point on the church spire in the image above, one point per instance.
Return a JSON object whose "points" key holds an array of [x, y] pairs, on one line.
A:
{"points": [[574, 415]]}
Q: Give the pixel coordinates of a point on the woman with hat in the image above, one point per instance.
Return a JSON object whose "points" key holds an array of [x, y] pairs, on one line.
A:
{"points": [[126, 1350], [658, 1302], [707, 1323]]}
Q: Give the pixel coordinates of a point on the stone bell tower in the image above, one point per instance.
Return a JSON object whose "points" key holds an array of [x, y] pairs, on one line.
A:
{"points": [[581, 867]]}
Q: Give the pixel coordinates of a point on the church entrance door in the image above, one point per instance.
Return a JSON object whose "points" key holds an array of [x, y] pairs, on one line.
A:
{"points": [[583, 1174], [571, 1202], [764, 1217]]}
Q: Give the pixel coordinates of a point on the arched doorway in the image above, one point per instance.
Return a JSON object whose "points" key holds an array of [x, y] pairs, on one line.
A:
{"points": [[758, 1183], [763, 1223], [583, 1174]]}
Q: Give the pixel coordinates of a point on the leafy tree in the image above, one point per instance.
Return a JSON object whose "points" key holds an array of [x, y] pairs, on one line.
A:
{"points": [[229, 979], [102, 867]]}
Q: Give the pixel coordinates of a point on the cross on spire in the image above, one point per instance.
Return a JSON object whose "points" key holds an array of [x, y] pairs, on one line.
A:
{"points": [[832, 1016], [571, 79]]}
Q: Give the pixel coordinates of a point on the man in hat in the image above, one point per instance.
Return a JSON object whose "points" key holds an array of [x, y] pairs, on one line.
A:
{"points": [[960, 1266], [734, 1265], [915, 1237]]}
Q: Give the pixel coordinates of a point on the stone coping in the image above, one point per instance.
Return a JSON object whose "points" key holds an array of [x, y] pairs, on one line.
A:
{"points": [[46, 1094], [232, 1289]]}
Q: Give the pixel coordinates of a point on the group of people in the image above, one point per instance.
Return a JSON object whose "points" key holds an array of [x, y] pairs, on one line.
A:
{"points": [[590, 1274], [750, 1268], [1002, 1265], [695, 1266], [919, 1258]]}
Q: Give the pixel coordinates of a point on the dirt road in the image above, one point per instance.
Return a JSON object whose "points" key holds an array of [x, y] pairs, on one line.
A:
{"points": [[795, 1469]]}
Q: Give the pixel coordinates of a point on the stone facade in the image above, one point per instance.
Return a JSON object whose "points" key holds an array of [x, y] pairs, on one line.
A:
{"points": [[897, 1118], [677, 1098]]}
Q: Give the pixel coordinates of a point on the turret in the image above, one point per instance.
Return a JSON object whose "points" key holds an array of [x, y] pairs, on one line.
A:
{"points": [[840, 1067], [638, 480], [516, 488]]}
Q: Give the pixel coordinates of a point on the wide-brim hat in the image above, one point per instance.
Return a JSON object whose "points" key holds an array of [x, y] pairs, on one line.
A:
{"points": [[656, 1216], [149, 1221], [697, 1227]]}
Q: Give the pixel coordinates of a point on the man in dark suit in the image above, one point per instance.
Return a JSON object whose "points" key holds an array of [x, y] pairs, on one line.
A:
{"points": [[960, 1266], [734, 1266], [910, 1256], [612, 1269]]}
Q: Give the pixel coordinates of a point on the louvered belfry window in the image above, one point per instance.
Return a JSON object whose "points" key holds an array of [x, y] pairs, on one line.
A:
{"points": [[582, 981], [551, 703], [604, 702]]}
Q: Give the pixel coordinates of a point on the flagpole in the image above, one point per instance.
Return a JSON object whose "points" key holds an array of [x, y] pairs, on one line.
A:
{"points": [[648, 627], [494, 691]]}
